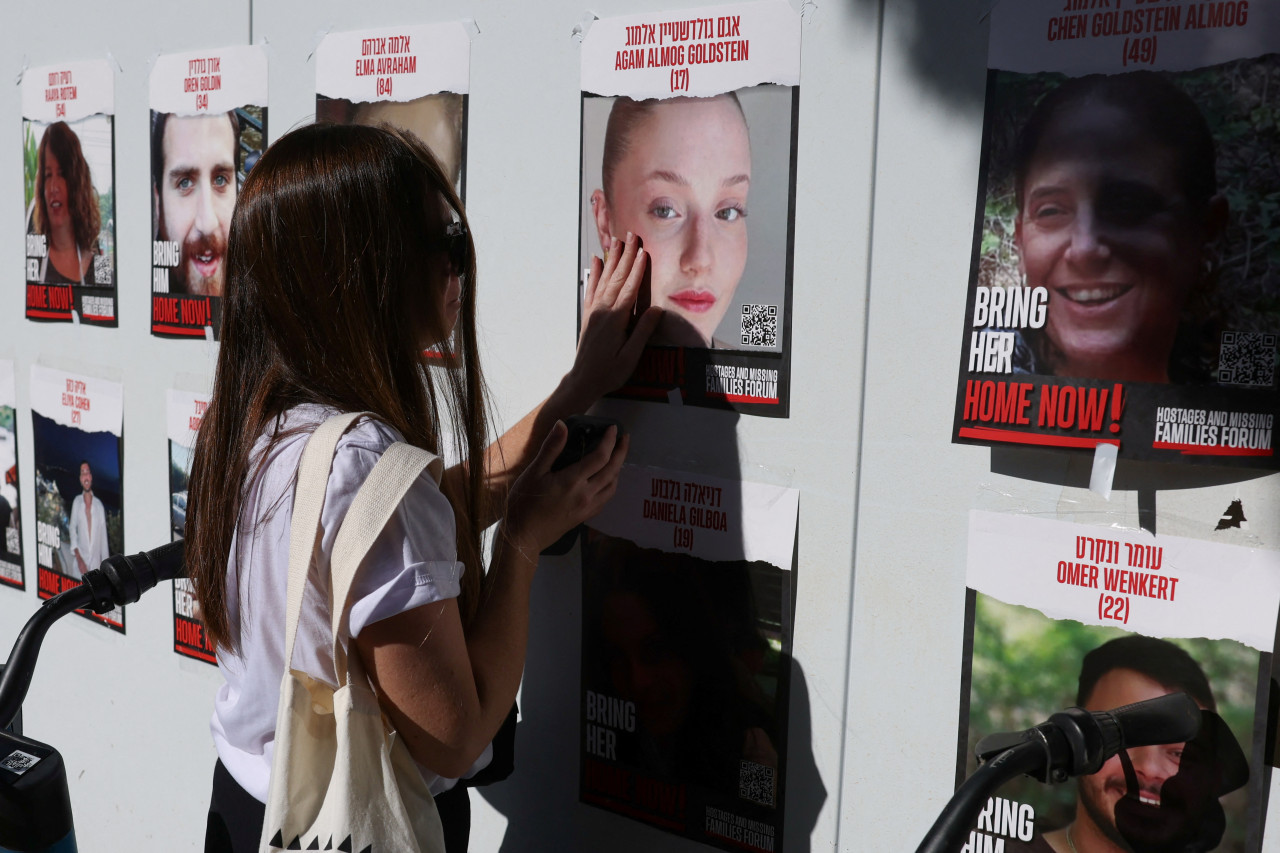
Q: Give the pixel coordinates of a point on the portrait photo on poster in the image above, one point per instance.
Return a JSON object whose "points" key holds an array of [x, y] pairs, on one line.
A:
{"points": [[69, 195], [184, 413], [198, 164], [684, 674], [1125, 277], [79, 518], [706, 184], [77, 430], [207, 129], [439, 120], [1063, 614], [12, 572], [1204, 794]]}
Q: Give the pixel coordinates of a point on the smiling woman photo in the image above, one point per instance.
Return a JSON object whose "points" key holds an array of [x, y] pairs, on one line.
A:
{"points": [[66, 206], [1118, 207]]}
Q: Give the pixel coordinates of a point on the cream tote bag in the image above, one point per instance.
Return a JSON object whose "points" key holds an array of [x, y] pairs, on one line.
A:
{"points": [[341, 779]]}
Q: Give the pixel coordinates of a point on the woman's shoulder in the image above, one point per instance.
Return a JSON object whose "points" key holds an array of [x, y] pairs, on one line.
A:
{"points": [[292, 429], [357, 451], [355, 456]]}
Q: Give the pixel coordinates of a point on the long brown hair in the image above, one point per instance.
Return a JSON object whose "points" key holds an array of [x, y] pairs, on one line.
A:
{"points": [[61, 143], [336, 264]]}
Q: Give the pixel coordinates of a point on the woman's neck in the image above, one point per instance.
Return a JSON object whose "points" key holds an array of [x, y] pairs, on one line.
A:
{"points": [[62, 238]]}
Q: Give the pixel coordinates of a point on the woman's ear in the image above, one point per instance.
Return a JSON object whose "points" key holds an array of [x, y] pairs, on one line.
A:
{"points": [[604, 222]]}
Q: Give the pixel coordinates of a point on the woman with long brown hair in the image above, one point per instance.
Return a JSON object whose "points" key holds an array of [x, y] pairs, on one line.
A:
{"points": [[348, 255]]}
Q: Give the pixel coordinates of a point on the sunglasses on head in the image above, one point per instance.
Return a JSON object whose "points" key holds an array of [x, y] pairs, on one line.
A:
{"points": [[458, 248]]}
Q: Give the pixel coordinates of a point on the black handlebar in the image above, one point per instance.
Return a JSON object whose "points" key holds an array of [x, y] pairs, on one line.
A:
{"points": [[120, 580], [1073, 742]]}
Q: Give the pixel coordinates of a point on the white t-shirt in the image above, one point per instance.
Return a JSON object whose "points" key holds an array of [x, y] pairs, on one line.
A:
{"points": [[412, 562]]}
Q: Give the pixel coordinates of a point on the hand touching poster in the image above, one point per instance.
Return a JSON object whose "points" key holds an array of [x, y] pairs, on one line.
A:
{"points": [[688, 141]]}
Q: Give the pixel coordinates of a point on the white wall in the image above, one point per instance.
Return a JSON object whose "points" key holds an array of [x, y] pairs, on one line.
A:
{"points": [[890, 127]]}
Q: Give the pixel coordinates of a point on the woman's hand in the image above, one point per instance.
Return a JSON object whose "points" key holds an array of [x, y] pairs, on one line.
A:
{"points": [[608, 349], [544, 504]]}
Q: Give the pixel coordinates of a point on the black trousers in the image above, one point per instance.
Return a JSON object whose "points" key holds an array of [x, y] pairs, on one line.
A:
{"points": [[235, 817]]}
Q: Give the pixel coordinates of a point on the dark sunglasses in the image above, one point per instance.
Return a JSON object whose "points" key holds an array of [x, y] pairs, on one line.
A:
{"points": [[458, 248]]}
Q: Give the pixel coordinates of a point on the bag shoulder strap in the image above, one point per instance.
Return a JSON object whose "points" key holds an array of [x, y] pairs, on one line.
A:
{"points": [[372, 507], [304, 526]]}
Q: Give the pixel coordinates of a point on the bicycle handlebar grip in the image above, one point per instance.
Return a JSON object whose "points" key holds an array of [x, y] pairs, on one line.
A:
{"points": [[1174, 718], [122, 580]]}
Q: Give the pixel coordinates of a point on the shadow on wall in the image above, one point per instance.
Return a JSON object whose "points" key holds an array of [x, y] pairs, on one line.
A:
{"points": [[933, 41], [541, 800], [692, 725]]}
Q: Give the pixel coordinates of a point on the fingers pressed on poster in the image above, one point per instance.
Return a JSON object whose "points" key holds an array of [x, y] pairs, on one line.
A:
{"points": [[689, 142]]}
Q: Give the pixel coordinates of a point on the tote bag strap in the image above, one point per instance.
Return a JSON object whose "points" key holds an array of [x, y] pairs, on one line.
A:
{"points": [[304, 527], [372, 507]]}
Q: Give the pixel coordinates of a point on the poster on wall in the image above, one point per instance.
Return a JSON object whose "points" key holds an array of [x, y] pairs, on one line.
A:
{"points": [[689, 142], [184, 411], [686, 654], [68, 153], [1124, 278], [11, 566], [414, 77], [208, 128], [76, 427], [1063, 614]]}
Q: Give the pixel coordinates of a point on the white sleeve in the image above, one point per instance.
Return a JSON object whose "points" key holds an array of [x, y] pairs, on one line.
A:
{"points": [[412, 562], [414, 559]]}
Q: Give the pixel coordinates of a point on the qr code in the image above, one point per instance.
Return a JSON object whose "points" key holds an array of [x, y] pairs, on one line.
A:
{"points": [[1247, 358], [19, 762], [11, 540], [101, 269], [759, 325], [757, 782]]}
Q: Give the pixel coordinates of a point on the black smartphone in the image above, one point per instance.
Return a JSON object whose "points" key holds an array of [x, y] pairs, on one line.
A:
{"points": [[585, 432]]}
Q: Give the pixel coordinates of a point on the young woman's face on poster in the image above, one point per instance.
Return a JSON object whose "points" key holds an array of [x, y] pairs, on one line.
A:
{"points": [[1105, 225], [646, 664], [681, 184]]}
